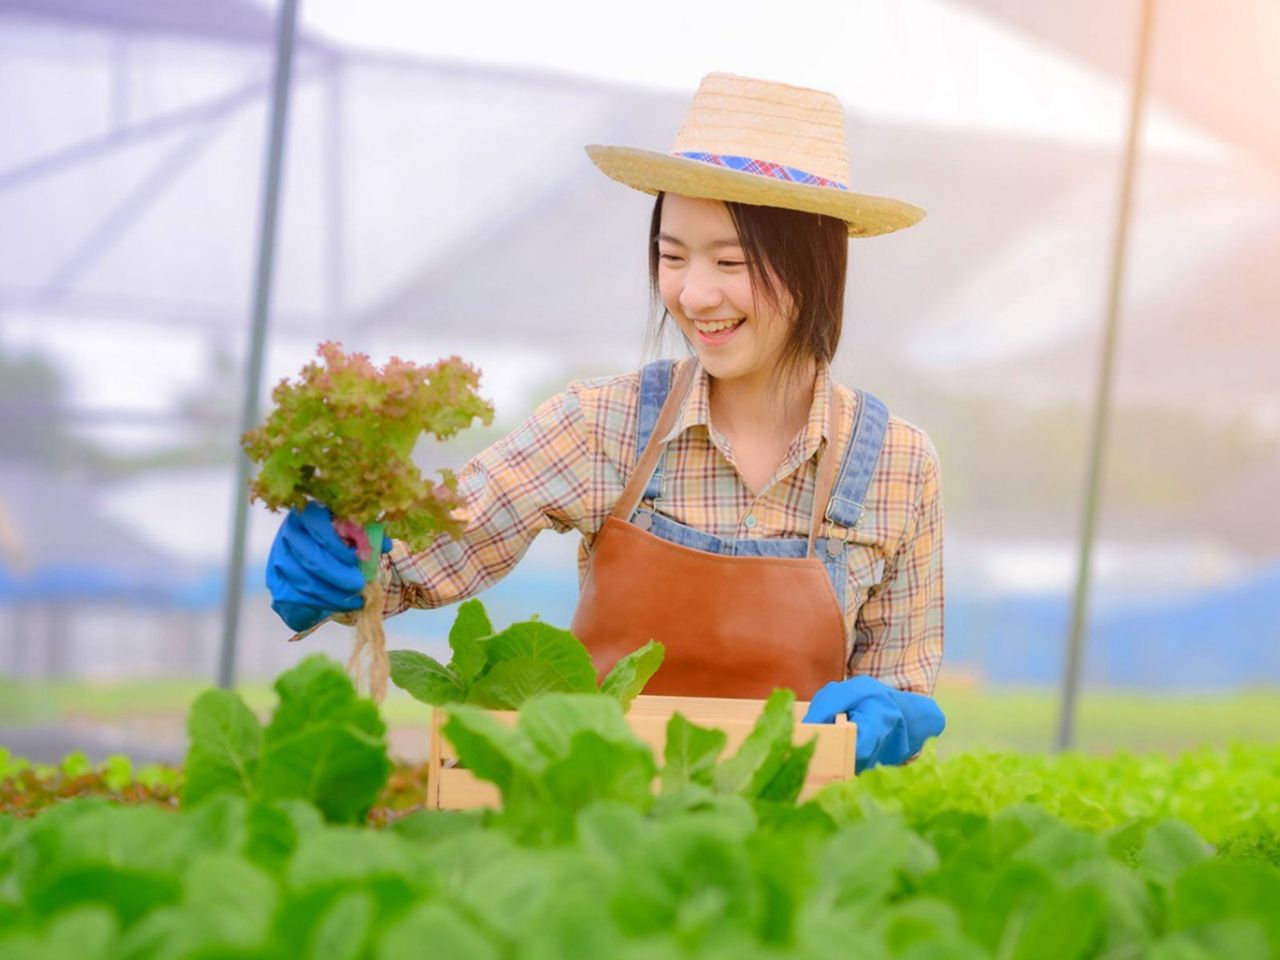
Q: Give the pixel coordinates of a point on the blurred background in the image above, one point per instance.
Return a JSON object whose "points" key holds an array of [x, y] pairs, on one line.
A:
{"points": [[435, 199]]}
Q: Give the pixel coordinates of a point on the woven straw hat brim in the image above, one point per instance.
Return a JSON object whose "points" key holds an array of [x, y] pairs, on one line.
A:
{"points": [[652, 172]]}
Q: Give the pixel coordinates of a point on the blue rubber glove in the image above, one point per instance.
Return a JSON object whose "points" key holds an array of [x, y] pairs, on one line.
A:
{"points": [[892, 724], [311, 571]]}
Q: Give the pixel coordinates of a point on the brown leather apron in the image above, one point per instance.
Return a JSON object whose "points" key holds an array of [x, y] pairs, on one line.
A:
{"points": [[733, 626]]}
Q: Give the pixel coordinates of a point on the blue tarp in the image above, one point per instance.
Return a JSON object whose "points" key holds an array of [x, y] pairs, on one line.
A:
{"points": [[134, 586], [1218, 638], [1224, 637]]}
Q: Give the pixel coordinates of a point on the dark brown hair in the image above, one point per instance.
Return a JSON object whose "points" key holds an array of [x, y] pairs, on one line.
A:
{"points": [[808, 254]]}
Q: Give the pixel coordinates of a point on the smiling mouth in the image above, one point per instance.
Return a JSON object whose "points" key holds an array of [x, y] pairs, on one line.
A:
{"points": [[715, 326]]}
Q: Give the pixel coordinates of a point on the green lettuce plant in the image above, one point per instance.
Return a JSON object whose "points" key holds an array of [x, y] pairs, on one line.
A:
{"points": [[602, 849], [324, 745], [343, 434], [503, 669]]}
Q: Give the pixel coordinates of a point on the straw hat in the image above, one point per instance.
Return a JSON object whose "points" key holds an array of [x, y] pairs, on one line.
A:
{"points": [[764, 143]]}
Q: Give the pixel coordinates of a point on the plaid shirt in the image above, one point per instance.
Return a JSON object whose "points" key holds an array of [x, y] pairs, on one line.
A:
{"points": [[564, 468]]}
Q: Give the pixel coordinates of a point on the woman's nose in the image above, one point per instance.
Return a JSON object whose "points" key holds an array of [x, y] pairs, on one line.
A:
{"points": [[699, 294]]}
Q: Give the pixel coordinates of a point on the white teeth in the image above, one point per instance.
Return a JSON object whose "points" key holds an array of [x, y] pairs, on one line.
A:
{"points": [[717, 326]]}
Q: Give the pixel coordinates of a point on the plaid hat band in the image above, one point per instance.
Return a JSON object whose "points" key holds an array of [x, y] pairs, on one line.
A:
{"points": [[763, 168]]}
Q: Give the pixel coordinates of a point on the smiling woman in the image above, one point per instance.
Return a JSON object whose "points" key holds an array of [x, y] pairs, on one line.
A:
{"points": [[769, 527]]}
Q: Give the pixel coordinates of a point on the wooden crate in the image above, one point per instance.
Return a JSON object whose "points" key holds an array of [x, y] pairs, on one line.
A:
{"points": [[450, 787]]}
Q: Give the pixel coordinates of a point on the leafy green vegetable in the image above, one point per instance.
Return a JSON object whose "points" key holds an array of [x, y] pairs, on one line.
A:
{"points": [[502, 670], [1168, 849], [1229, 797], [344, 434], [491, 752], [509, 683], [766, 751], [436, 924], [632, 672], [79, 933], [466, 639], [425, 678], [324, 745], [584, 859], [117, 772], [75, 764], [565, 752], [560, 650], [228, 900], [1216, 890], [690, 754], [226, 743]]}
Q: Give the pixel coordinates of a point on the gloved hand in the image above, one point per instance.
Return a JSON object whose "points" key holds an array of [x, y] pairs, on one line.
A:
{"points": [[311, 571], [892, 724]]}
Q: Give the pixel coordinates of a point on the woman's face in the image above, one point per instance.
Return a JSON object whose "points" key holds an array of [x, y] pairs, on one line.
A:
{"points": [[703, 279]]}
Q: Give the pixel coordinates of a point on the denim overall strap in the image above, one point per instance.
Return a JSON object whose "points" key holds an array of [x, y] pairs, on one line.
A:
{"points": [[870, 423], [656, 447], [655, 384]]}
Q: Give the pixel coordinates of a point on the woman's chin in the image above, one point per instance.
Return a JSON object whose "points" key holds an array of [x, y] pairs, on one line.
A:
{"points": [[721, 367], [726, 360]]}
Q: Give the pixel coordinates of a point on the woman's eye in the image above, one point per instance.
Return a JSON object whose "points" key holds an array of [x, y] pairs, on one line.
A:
{"points": [[669, 257], [732, 263]]}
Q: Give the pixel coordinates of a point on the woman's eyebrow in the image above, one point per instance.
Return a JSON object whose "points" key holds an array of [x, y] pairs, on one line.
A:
{"points": [[729, 242]]}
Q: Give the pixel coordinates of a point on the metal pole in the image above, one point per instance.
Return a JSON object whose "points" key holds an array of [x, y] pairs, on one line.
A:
{"points": [[335, 202], [1102, 401], [285, 30]]}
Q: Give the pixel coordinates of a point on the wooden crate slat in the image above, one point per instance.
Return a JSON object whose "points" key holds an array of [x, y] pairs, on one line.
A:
{"points": [[440, 714], [453, 788], [433, 759], [459, 790]]}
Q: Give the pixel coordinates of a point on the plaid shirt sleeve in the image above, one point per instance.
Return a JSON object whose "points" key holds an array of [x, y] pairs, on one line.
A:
{"points": [[900, 625], [540, 476]]}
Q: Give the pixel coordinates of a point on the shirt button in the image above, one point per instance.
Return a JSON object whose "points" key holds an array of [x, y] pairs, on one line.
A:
{"points": [[750, 521]]}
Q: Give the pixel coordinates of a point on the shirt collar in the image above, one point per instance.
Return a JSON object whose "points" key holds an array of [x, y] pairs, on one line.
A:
{"points": [[697, 412]]}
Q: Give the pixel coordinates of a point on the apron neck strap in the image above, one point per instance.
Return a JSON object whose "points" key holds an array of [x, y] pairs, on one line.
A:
{"points": [[653, 449], [826, 471]]}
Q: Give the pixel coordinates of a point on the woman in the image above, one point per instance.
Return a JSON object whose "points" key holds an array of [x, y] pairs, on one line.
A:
{"points": [[769, 526]]}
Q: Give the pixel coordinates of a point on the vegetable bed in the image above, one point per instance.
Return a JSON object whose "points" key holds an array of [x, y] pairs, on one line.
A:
{"points": [[300, 839]]}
